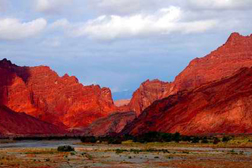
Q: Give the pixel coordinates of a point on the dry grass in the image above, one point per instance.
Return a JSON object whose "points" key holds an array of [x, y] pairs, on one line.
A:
{"points": [[186, 157]]}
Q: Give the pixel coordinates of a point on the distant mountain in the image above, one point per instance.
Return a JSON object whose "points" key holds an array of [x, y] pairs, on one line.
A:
{"points": [[12, 123], [41, 93], [120, 103], [223, 106]]}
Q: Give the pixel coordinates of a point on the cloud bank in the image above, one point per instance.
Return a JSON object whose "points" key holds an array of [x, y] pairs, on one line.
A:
{"points": [[110, 27], [14, 29], [126, 7]]}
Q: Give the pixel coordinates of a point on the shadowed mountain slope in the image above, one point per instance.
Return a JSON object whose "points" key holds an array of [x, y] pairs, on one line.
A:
{"points": [[12, 123], [112, 124]]}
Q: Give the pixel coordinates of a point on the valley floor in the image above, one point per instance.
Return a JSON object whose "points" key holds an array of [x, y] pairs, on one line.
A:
{"points": [[44, 154]]}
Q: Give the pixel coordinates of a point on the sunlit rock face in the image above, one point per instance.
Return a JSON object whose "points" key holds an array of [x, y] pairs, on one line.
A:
{"points": [[235, 54], [13, 124], [40, 92], [223, 106], [147, 93], [223, 62]]}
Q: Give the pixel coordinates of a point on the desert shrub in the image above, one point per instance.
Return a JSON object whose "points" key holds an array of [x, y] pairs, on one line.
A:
{"points": [[158, 137], [90, 139], [177, 137], [204, 140], [66, 148], [115, 141], [216, 140], [226, 139], [167, 137], [118, 151], [195, 140], [186, 138]]}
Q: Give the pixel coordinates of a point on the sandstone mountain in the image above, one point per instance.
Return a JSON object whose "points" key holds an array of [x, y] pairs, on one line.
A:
{"points": [[235, 54], [147, 93], [40, 92], [223, 106], [226, 60], [13, 124], [110, 125]]}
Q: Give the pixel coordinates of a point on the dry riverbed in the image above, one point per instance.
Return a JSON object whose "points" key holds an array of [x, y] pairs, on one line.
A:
{"points": [[44, 154]]}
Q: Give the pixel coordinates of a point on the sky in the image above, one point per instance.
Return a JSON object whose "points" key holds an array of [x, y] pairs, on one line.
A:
{"points": [[118, 43]]}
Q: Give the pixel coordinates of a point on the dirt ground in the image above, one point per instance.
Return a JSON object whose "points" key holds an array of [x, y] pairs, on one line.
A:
{"points": [[126, 156]]}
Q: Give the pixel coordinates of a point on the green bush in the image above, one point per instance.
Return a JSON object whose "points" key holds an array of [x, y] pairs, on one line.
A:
{"points": [[216, 140], [204, 140], [226, 139], [65, 148], [158, 137], [90, 139], [114, 141], [195, 140]]}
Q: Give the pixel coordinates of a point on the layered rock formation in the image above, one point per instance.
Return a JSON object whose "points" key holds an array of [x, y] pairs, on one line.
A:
{"points": [[236, 53], [223, 106], [40, 92], [147, 93], [226, 60], [12, 123], [110, 125]]}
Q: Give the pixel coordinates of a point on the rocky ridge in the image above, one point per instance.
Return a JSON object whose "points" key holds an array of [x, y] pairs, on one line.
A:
{"points": [[41, 93]]}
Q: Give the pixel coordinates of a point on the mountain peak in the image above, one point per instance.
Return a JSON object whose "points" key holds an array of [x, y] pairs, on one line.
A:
{"points": [[234, 37], [5, 61]]}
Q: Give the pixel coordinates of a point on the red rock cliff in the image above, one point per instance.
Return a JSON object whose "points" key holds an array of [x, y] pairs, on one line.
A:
{"points": [[218, 107], [226, 60], [40, 92], [147, 93]]}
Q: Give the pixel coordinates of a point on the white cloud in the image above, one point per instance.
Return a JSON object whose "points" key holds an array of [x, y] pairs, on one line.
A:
{"points": [[126, 7], [121, 6], [51, 6], [130, 6], [165, 21], [13, 29]]}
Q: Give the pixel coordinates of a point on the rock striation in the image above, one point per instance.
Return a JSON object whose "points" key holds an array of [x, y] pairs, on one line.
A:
{"points": [[41, 93], [235, 54], [223, 106], [147, 93]]}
